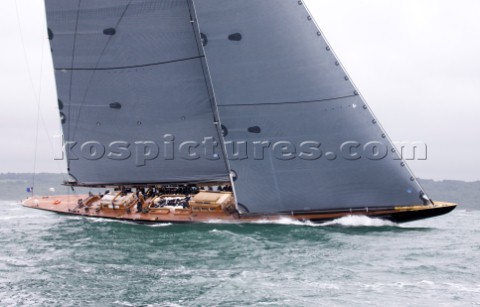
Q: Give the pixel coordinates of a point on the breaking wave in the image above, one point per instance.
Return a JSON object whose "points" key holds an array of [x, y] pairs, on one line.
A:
{"points": [[347, 221], [359, 221]]}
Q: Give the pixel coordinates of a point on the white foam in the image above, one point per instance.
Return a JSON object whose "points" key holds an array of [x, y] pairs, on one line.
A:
{"points": [[347, 221], [71, 217], [286, 221], [280, 221], [464, 288], [104, 220], [217, 221], [11, 203], [22, 217], [159, 225], [359, 221]]}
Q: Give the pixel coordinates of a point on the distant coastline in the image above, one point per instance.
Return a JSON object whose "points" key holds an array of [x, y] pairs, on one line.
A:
{"points": [[466, 194], [13, 187]]}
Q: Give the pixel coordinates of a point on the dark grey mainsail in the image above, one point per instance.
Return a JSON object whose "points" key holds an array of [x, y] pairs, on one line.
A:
{"points": [[139, 79], [131, 89], [276, 80]]}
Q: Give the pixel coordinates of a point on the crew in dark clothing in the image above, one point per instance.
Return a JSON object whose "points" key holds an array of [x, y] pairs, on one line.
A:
{"points": [[140, 200]]}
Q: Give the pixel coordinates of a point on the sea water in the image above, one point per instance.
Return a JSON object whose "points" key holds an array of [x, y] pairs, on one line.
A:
{"points": [[53, 260]]}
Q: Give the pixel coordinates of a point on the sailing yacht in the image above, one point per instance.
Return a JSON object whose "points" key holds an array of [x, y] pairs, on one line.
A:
{"points": [[164, 101]]}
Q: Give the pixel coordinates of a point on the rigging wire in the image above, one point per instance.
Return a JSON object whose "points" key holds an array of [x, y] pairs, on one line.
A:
{"points": [[37, 96], [71, 77]]}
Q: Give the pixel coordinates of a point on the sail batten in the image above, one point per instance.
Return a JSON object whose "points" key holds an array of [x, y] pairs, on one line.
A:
{"points": [[132, 66], [253, 104]]}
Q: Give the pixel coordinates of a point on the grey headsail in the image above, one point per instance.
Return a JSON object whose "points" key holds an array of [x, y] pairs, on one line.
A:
{"points": [[311, 142], [132, 92]]}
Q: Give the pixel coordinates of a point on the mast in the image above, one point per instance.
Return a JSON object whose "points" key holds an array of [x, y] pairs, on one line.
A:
{"points": [[201, 43]]}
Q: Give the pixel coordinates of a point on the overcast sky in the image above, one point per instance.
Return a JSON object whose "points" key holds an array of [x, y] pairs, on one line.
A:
{"points": [[415, 61]]}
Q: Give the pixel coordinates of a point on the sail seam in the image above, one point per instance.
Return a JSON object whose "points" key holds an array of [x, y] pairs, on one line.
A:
{"points": [[131, 66], [283, 102]]}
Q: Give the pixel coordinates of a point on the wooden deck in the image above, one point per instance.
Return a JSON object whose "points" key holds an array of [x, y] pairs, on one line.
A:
{"points": [[210, 206]]}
